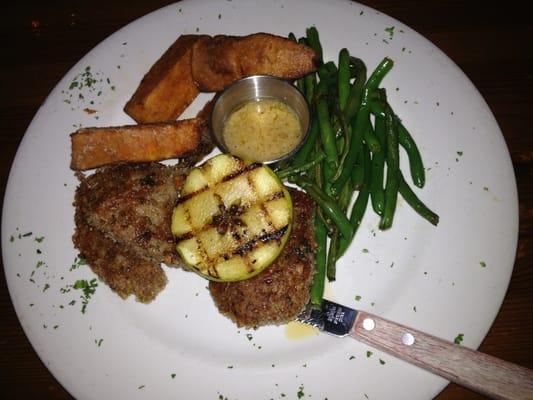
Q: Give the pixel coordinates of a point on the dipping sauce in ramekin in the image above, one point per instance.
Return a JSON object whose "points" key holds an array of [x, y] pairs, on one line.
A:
{"points": [[260, 118]]}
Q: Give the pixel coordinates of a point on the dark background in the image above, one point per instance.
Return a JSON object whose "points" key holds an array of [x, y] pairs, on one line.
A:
{"points": [[42, 40]]}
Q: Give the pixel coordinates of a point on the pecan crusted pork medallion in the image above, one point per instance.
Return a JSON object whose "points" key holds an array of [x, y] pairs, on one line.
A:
{"points": [[280, 292], [122, 229]]}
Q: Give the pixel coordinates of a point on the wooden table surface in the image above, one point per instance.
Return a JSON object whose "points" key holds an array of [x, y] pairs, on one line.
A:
{"points": [[491, 43]]}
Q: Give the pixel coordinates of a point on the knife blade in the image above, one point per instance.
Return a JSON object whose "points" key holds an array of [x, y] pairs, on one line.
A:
{"points": [[480, 372]]}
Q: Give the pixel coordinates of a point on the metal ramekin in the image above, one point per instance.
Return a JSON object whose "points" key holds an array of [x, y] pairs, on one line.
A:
{"points": [[254, 88]]}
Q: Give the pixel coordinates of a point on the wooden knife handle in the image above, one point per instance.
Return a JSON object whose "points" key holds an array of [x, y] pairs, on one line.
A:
{"points": [[478, 371]]}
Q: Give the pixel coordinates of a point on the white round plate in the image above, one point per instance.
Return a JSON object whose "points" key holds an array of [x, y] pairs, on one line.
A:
{"points": [[446, 280]]}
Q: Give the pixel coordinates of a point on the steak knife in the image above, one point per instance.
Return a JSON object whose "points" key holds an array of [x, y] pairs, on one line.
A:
{"points": [[480, 372]]}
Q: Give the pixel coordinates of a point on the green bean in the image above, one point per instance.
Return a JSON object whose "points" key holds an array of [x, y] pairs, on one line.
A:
{"points": [[343, 82], [393, 169], [336, 239], [319, 181], [332, 256], [314, 42], [328, 171], [318, 167], [319, 277], [310, 87], [296, 169], [300, 84], [416, 204], [377, 195], [361, 203], [358, 173], [371, 139], [326, 70], [346, 196], [379, 73], [344, 145], [329, 206], [377, 107], [326, 132], [356, 89], [360, 126], [307, 148], [303, 153], [416, 166], [328, 223]]}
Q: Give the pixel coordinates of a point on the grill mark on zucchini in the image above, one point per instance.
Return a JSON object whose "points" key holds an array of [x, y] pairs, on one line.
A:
{"points": [[247, 247], [275, 196], [183, 237], [268, 217], [244, 169], [241, 250], [211, 224], [247, 168]]}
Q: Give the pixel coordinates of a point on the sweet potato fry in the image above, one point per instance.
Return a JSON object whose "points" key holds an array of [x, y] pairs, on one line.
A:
{"points": [[168, 88], [95, 147], [220, 60]]}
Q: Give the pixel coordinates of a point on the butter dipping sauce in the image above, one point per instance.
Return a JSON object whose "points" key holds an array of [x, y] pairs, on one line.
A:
{"points": [[260, 118], [262, 130]]}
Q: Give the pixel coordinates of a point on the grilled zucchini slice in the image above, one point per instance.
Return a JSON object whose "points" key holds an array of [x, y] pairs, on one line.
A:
{"points": [[232, 220]]}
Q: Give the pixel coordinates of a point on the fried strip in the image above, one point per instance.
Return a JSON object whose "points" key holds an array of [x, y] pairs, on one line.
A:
{"points": [[168, 88], [220, 60], [95, 147]]}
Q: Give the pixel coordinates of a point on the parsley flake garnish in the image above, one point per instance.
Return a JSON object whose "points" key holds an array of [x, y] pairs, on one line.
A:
{"points": [[300, 393], [459, 338], [390, 31], [88, 288], [369, 354], [78, 261]]}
